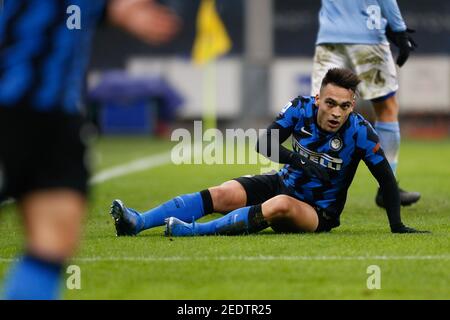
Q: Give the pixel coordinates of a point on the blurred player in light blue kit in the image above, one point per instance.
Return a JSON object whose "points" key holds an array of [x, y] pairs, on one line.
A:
{"points": [[354, 34]]}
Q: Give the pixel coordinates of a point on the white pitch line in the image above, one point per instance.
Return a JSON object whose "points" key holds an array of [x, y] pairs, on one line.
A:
{"points": [[249, 258], [131, 167], [140, 164]]}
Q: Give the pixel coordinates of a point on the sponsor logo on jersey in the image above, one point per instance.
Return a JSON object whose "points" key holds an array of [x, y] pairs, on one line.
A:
{"points": [[319, 157]]}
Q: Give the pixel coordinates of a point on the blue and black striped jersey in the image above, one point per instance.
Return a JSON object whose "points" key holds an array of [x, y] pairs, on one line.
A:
{"points": [[340, 153], [43, 61]]}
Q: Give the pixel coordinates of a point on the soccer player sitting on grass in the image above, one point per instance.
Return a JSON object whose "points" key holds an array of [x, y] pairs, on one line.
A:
{"points": [[307, 195]]}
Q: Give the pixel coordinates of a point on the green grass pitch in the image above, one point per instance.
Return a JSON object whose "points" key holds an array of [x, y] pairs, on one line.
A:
{"points": [[265, 265]]}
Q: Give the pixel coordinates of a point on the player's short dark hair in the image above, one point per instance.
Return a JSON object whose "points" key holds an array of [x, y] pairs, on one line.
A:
{"points": [[341, 77]]}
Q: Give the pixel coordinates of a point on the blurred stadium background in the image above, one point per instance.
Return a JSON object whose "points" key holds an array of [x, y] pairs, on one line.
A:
{"points": [[269, 63]]}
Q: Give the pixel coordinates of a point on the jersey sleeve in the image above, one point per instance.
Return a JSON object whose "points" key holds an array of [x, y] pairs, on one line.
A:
{"points": [[290, 114], [369, 144]]}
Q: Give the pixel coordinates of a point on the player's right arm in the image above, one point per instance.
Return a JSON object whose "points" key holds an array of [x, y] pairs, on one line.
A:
{"points": [[270, 144]]}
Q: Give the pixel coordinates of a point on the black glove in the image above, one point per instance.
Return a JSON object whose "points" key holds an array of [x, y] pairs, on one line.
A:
{"points": [[401, 228], [310, 168], [403, 41]]}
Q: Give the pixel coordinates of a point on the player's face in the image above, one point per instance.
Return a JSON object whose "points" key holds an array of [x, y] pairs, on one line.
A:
{"points": [[335, 105]]}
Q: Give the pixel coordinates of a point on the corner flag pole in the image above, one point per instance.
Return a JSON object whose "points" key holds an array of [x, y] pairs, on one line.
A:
{"points": [[211, 42], [210, 95]]}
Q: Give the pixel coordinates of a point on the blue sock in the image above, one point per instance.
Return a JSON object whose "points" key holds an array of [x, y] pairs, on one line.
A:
{"points": [[33, 279], [239, 221], [187, 207], [389, 133]]}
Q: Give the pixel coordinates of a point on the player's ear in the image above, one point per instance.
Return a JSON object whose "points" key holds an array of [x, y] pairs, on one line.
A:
{"points": [[317, 97], [353, 100]]}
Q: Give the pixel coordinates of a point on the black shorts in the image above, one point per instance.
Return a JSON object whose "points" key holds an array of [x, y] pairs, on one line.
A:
{"points": [[40, 151], [260, 188]]}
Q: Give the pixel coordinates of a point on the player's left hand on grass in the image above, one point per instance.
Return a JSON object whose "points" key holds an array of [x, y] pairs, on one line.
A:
{"points": [[403, 41], [401, 228]]}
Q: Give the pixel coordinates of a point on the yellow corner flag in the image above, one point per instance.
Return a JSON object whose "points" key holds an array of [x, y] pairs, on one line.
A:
{"points": [[212, 39]]}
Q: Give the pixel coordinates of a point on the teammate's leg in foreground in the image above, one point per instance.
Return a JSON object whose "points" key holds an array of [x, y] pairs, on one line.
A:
{"points": [[52, 225], [281, 209]]}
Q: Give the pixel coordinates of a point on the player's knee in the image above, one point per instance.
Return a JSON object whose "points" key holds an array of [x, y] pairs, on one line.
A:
{"points": [[282, 205], [222, 197], [228, 196]]}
